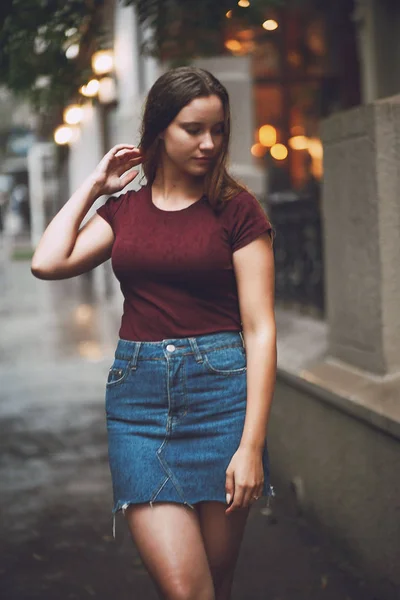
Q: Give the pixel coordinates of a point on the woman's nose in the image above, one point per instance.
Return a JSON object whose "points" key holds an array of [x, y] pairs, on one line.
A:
{"points": [[207, 141]]}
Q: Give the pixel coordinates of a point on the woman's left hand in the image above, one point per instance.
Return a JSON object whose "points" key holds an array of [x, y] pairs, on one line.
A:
{"points": [[244, 478]]}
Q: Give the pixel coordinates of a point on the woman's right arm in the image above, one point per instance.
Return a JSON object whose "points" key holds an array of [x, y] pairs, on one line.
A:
{"points": [[64, 250]]}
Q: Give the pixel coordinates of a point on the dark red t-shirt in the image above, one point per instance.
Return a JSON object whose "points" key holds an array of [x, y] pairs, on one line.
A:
{"points": [[175, 267]]}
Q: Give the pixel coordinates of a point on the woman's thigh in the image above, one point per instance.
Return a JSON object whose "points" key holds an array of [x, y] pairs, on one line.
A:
{"points": [[168, 538], [222, 535]]}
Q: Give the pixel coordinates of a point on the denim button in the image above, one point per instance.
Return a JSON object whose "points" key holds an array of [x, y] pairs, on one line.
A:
{"points": [[170, 347]]}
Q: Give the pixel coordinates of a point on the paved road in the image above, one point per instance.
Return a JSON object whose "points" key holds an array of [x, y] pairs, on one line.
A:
{"points": [[56, 346]]}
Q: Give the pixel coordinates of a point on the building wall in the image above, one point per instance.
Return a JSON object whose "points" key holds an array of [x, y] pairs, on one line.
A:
{"points": [[334, 432], [345, 474], [378, 25]]}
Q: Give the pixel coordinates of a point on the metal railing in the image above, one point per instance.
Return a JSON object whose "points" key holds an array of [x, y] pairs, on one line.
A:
{"points": [[298, 247]]}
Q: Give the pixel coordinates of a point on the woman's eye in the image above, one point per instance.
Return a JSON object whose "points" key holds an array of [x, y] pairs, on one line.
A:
{"points": [[193, 131]]}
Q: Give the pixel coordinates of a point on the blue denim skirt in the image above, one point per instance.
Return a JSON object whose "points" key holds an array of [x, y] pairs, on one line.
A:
{"points": [[175, 413]]}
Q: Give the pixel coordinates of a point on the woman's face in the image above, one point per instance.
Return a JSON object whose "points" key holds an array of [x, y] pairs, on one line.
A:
{"points": [[194, 138]]}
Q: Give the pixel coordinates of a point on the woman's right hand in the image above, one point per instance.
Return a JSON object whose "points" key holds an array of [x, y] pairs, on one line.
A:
{"points": [[110, 175]]}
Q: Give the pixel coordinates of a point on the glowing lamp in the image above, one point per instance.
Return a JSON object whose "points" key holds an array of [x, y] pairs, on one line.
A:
{"points": [[270, 25], [90, 89], [102, 62], [315, 148], [244, 3], [258, 150], [298, 142], [63, 135], [233, 45], [73, 114], [279, 151], [267, 135]]}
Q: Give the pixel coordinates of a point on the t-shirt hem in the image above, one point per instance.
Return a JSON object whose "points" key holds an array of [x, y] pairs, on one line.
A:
{"points": [[244, 242]]}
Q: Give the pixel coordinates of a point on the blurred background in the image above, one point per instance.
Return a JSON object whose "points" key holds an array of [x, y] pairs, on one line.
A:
{"points": [[314, 88]]}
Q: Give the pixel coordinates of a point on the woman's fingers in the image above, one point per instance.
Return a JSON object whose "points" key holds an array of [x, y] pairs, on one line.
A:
{"points": [[128, 178], [122, 168], [243, 497], [127, 152], [127, 160], [115, 149]]}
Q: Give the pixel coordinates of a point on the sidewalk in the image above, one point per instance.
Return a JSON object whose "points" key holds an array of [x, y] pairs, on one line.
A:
{"points": [[57, 343]]}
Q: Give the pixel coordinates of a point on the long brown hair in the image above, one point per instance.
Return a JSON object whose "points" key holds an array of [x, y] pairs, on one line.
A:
{"points": [[169, 94]]}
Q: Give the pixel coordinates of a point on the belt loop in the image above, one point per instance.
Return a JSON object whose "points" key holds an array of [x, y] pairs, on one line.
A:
{"points": [[134, 359], [241, 335], [196, 350]]}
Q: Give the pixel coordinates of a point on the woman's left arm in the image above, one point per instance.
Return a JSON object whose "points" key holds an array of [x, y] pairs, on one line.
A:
{"points": [[255, 277]]}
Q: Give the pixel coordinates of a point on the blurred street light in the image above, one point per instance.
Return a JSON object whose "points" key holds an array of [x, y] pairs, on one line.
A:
{"points": [[279, 151], [73, 114], [102, 62], [63, 135], [270, 25], [267, 135], [233, 45], [90, 89], [258, 150], [299, 142]]}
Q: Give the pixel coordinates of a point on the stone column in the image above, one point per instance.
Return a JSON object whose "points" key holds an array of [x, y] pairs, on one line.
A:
{"points": [[43, 187], [361, 210]]}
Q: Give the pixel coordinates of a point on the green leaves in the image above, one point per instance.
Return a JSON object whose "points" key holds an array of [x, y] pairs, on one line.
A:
{"points": [[34, 37]]}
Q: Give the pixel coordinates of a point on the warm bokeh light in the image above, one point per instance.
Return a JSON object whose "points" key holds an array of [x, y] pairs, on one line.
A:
{"points": [[90, 89], [229, 14], [270, 25], [63, 135], [267, 135], [102, 62], [233, 45], [315, 148], [90, 350], [72, 51], [73, 114], [258, 150], [244, 3], [279, 151], [83, 314], [299, 142]]}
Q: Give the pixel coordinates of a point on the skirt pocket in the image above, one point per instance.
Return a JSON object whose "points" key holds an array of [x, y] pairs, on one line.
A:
{"points": [[227, 360], [118, 371]]}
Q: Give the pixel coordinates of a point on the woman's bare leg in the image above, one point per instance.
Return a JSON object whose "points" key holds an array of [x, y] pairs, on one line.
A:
{"points": [[169, 541], [222, 535]]}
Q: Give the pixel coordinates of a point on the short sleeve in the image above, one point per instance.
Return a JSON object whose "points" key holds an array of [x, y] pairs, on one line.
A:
{"points": [[109, 209], [248, 220]]}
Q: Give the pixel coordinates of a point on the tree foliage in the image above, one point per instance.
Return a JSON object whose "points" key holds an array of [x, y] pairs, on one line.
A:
{"points": [[34, 36], [184, 29]]}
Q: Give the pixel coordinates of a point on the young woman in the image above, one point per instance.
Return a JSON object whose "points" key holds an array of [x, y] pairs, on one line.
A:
{"points": [[189, 392]]}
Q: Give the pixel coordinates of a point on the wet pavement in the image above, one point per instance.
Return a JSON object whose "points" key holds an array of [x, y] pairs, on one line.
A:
{"points": [[56, 345]]}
